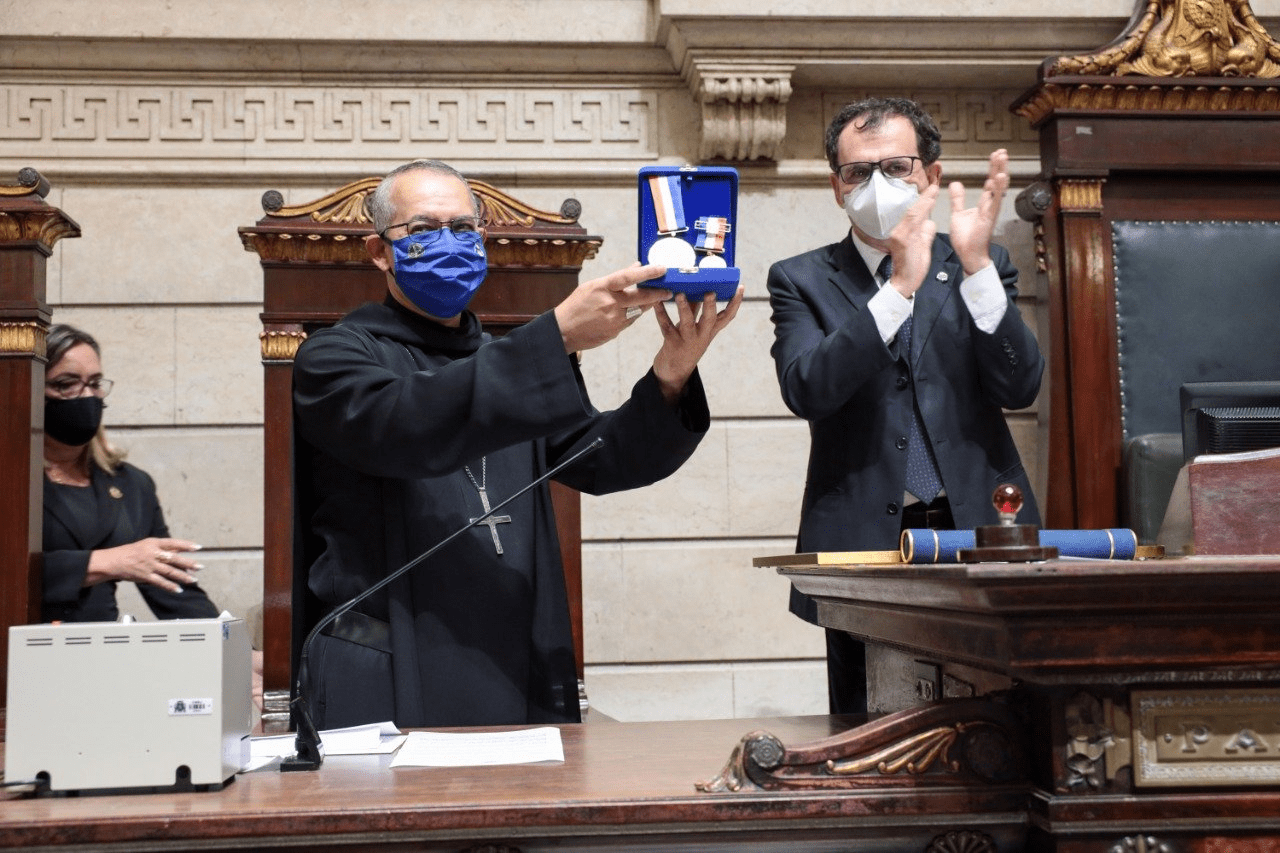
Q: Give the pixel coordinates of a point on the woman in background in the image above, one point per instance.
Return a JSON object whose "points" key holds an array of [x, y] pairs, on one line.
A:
{"points": [[102, 519]]}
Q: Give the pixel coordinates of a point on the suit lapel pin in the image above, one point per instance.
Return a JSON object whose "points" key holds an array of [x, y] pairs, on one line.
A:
{"points": [[942, 276], [115, 493]]}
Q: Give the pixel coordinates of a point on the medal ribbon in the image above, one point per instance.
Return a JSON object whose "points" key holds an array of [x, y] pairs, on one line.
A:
{"points": [[668, 203], [712, 231]]}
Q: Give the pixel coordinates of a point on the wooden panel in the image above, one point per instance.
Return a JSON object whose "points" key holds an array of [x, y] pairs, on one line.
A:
{"points": [[29, 229]]}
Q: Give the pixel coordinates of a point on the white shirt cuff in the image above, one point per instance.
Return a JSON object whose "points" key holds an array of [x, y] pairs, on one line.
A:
{"points": [[983, 293], [890, 309]]}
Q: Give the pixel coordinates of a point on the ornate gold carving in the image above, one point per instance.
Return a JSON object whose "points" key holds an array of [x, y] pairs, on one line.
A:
{"points": [[744, 107], [501, 210], [944, 743], [280, 346], [1184, 38], [1207, 737], [1080, 196], [331, 230], [1156, 97], [23, 339], [42, 225], [915, 755]]}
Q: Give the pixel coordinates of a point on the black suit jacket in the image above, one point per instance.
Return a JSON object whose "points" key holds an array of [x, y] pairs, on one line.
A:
{"points": [[126, 510], [855, 391]]}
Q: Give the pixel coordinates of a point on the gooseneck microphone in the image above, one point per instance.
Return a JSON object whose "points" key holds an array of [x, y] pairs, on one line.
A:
{"points": [[309, 752]]}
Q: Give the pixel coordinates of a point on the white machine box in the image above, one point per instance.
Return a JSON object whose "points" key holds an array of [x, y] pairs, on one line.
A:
{"points": [[111, 705]]}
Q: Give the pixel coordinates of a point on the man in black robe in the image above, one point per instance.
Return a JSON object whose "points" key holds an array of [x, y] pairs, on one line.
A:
{"points": [[412, 421]]}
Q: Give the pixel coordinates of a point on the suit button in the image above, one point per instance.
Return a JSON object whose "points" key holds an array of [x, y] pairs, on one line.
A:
{"points": [[902, 382], [901, 443], [892, 509]]}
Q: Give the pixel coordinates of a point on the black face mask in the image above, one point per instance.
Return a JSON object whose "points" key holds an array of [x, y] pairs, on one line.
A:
{"points": [[73, 422]]}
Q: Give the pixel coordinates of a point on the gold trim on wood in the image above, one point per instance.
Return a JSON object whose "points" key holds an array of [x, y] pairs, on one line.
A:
{"points": [[23, 339], [1170, 96], [30, 182], [1206, 738], [280, 346], [1184, 38], [44, 226], [941, 744], [331, 230], [1080, 196]]}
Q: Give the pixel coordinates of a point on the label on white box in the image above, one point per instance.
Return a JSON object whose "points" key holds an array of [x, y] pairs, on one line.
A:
{"points": [[190, 707]]}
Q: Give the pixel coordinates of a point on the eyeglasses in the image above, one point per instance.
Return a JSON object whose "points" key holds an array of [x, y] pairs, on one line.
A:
{"points": [[70, 387], [890, 167], [427, 225]]}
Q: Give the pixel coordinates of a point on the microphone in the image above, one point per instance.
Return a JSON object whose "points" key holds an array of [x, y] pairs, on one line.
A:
{"points": [[309, 751]]}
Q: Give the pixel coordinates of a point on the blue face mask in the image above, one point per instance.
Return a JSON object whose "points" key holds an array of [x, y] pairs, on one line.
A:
{"points": [[439, 271]]}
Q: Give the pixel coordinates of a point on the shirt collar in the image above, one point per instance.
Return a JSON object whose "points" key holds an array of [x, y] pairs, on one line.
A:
{"points": [[871, 256]]}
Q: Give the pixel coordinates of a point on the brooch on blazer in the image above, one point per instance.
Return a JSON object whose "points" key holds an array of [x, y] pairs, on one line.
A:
{"points": [[115, 493], [941, 276]]}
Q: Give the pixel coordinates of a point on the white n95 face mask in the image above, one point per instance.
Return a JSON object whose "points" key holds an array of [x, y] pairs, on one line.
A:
{"points": [[878, 205]]}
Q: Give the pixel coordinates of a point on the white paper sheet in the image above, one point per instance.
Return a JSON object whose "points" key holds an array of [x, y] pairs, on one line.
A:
{"points": [[372, 739], [473, 749]]}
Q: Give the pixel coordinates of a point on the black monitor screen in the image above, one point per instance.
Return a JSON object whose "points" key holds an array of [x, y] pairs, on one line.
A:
{"points": [[1229, 417]]}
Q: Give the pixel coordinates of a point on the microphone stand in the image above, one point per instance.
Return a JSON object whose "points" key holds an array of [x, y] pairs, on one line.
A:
{"points": [[309, 750]]}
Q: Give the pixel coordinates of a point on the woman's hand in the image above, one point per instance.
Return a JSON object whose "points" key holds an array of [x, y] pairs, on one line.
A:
{"points": [[159, 562]]}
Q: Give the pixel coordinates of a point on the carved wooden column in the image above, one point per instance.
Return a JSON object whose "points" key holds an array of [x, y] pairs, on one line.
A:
{"points": [[744, 106], [28, 230]]}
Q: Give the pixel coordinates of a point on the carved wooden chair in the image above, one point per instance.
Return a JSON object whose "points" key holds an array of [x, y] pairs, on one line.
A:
{"points": [[1156, 226], [315, 270]]}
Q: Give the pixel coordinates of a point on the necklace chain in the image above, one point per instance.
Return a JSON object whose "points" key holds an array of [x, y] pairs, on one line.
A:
{"points": [[484, 473]]}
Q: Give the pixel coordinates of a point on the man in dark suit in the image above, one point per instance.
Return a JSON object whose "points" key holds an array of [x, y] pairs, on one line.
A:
{"points": [[900, 346]]}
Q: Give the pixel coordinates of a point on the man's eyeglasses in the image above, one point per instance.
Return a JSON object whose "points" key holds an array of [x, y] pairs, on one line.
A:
{"points": [[426, 225], [69, 387], [890, 167]]}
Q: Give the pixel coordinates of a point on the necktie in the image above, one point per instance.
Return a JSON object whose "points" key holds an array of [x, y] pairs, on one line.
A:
{"points": [[923, 480]]}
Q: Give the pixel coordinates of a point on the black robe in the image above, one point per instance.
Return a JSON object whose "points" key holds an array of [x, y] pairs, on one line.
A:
{"points": [[389, 408], [115, 509]]}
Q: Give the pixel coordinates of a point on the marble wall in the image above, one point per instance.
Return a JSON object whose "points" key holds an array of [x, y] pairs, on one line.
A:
{"points": [[160, 129]]}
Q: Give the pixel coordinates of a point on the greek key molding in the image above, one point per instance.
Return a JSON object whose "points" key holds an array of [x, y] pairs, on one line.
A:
{"points": [[971, 120], [208, 121]]}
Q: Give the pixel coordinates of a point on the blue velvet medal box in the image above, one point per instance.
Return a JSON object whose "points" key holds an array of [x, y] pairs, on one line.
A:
{"points": [[696, 206]]}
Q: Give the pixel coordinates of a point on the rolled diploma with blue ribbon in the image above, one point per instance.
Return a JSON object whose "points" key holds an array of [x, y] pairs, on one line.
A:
{"points": [[922, 545]]}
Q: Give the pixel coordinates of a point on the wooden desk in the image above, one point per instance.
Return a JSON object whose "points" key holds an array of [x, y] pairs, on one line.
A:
{"points": [[622, 786], [1150, 690]]}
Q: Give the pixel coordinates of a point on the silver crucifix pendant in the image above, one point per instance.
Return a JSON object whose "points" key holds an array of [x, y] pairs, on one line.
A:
{"points": [[492, 521]]}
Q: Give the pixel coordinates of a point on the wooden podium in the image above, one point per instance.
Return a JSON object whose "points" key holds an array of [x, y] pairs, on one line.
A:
{"points": [[1139, 709]]}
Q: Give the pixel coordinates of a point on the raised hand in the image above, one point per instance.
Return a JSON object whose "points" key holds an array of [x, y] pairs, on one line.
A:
{"points": [[685, 340], [598, 310], [911, 243], [971, 228]]}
